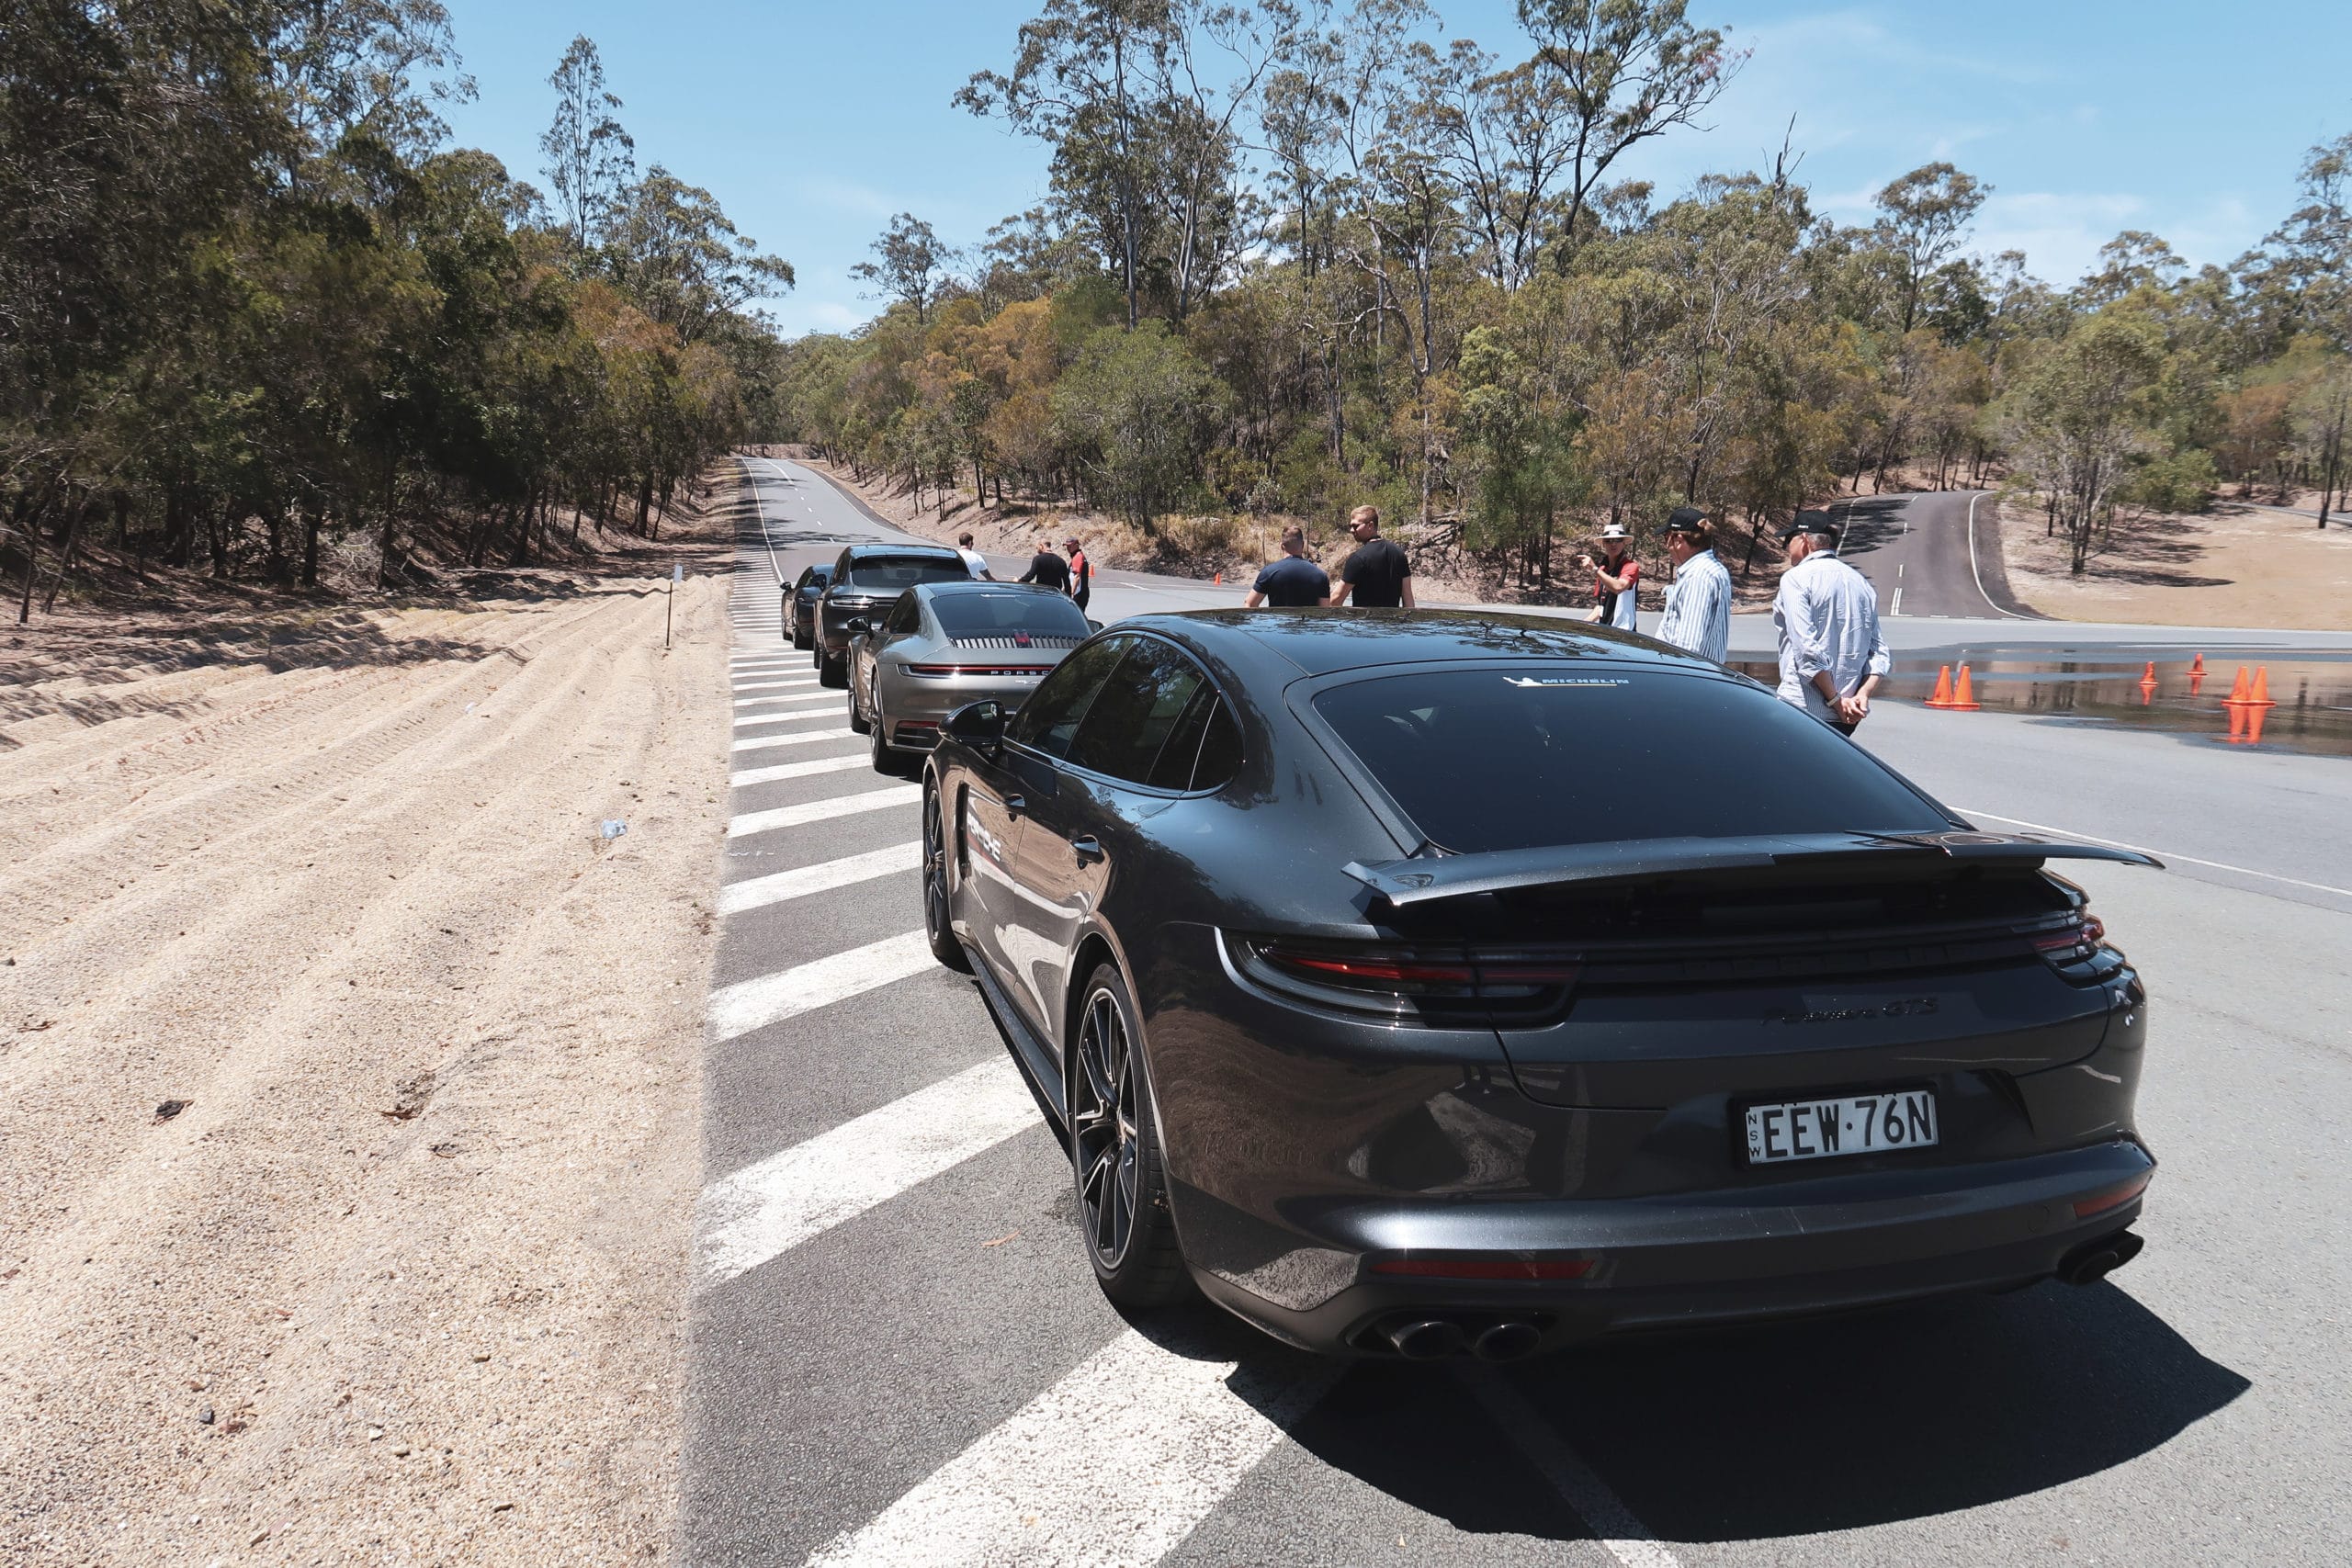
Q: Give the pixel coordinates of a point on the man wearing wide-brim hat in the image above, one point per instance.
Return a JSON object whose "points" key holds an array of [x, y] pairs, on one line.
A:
{"points": [[1614, 578], [1832, 651]]}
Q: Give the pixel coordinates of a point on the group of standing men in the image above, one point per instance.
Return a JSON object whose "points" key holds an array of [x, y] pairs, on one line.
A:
{"points": [[1073, 576], [1832, 651], [1377, 574]]}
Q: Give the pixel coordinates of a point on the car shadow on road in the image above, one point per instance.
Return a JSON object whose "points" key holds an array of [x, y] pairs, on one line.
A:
{"points": [[1753, 1434]]}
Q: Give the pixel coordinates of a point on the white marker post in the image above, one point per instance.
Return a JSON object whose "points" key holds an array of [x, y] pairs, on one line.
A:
{"points": [[677, 575]]}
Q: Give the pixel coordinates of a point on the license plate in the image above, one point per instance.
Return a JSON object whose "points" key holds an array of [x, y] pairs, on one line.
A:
{"points": [[1853, 1125]]}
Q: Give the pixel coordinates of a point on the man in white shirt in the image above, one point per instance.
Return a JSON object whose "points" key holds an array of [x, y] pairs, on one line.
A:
{"points": [[974, 563], [1698, 602], [1832, 652]]}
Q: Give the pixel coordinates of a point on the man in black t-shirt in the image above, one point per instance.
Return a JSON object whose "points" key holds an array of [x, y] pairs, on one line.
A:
{"points": [[1292, 583], [1377, 574], [1049, 569]]}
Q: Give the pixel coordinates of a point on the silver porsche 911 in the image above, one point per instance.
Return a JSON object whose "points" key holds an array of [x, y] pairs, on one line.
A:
{"points": [[945, 644]]}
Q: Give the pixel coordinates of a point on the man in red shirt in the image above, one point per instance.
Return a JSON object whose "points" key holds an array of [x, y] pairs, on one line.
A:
{"points": [[1082, 575]]}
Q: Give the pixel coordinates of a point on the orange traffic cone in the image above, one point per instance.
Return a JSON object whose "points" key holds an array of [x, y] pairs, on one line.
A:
{"points": [[2148, 684], [2149, 674], [1964, 700], [1943, 699], [2197, 665], [1220, 580], [2249, 705]]}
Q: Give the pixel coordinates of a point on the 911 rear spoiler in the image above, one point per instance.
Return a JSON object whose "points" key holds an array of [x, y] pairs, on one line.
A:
{"points": [[1422, 880]]}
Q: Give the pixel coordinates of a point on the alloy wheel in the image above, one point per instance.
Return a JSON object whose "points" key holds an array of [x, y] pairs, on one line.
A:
{"points": [[1103, 1133], [934, 872]]}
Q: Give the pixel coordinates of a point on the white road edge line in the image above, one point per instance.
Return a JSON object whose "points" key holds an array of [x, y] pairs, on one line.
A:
{"points": [[739, 1009], [1116, 1463], [750, 776], [767, 1209], [777, 888], [1972, 569], [761, 507], [2160, 854], [1615, 1528], [752, 822]]}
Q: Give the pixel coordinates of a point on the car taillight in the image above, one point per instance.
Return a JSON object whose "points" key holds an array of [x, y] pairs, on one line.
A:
{"points": [[2113, 1198], [1005, 670], [2077, 948], [1437, 984]]}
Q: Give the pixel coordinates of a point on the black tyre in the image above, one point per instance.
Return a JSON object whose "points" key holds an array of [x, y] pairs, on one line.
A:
{"points": [[832, 672], [799, 637], [857, 720], [938, 923], [1115, 1154], [886, 760]]}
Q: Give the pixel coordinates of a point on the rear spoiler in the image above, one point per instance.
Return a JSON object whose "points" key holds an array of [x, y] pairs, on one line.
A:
{"points": [[1424, 879]]}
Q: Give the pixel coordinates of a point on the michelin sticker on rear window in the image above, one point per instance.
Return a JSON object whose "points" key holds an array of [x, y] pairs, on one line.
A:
{"points": [[1526, 681]]}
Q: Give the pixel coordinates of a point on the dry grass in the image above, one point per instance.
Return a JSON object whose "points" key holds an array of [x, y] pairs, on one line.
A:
{"points": [[2237, 565]]}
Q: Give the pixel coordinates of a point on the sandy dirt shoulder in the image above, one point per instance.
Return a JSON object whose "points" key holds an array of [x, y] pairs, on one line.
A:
{"points": [[2236, 565], [349, 1077]]}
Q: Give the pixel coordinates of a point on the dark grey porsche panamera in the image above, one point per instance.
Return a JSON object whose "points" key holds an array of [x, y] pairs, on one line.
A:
{"points": [[1414, 982]]}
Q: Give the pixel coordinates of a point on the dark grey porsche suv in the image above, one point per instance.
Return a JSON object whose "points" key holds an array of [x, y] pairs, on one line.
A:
{"points": [[1424, 983]]}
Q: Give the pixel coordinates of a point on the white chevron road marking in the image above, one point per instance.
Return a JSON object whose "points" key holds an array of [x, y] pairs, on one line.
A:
{"points": [[759, 892], [822, 810], [1116, 1463], [752, 1004], [766, 1210], [801, 770]]}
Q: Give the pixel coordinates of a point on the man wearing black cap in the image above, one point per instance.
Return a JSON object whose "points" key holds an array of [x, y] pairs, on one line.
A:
{"points": [[1698, 602], [1832, 652]]}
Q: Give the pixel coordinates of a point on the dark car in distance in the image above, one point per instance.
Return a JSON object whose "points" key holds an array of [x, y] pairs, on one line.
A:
{"points": [[1418, 984], [800, 606], [866, 581]]}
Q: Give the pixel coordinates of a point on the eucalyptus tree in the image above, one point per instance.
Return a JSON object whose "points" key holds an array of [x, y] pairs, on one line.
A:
{"points": [[910, 265], [1081, 80], [1924, 217], [591, 160], [1632, 70]]}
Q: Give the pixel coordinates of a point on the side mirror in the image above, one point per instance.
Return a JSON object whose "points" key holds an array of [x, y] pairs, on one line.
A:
{"points": [[1093, 624], [858, 625], [977, 725]]}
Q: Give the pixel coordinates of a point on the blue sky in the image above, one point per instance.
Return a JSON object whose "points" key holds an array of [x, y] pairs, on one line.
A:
{"points": [[814, 123]]}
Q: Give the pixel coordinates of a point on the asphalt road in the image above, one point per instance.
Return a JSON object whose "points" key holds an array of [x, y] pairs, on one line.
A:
{"points": [[898, 1356]]}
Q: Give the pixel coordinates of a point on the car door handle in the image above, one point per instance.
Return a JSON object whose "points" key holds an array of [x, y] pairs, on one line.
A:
{"points": [[1087, 849], [1016, 803]]}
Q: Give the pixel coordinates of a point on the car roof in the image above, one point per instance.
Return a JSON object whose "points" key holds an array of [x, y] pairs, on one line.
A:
{"points": [[933, 590], [1320, 642], [864, 552]]}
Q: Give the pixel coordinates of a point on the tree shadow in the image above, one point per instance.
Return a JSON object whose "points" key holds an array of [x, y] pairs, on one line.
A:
{"points": [[1794, 1429]]}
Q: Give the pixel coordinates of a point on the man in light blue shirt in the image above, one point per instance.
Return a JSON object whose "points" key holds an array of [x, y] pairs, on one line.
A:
{"points": [[1832, 652], [1698, 602]]}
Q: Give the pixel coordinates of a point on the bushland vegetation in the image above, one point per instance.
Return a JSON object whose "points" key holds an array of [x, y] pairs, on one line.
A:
{"points": [[257, 314], [1304, 253]]}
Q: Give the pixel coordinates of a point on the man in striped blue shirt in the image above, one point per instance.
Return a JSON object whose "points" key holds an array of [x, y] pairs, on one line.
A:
{"points": [[1698, 605]]}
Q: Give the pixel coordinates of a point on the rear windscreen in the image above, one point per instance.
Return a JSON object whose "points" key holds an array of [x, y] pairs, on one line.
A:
{"points": [[1495, 759], [1001, 615], [881, 572]]}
